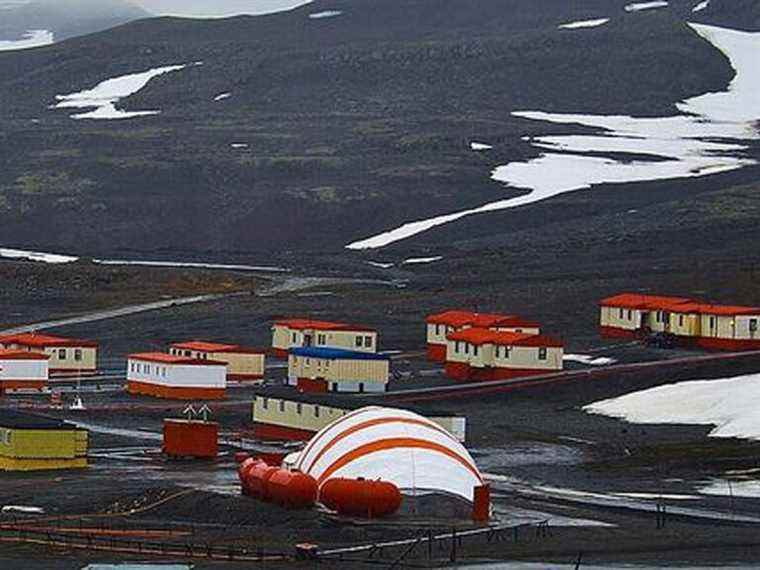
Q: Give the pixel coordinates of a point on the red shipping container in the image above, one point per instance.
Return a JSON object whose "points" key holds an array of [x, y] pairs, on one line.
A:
{"points": [[191, 438]]}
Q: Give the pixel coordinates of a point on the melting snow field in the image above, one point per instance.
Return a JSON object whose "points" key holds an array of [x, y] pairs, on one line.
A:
{"points": [[32, 39], [584, 24], [679, 146], [36, 256], [104, 96], [729, 404], [638, 6]]}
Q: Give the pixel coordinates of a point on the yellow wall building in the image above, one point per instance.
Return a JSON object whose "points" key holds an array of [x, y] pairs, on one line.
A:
{"points": [[68, 356], [296, 333], [31, 443], [299, 419], [242, 363]]}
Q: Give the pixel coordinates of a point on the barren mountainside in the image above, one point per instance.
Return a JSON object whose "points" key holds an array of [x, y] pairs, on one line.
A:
{"points": [[313, 128]]}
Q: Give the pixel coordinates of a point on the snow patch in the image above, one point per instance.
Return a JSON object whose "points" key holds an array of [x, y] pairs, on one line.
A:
{"points": [[325, 14], [417, 260], [684, 141], [36, 256], [747, 489], [588, 359], [657, 496], [638, 6], [480, 146], [380, 265], [729, 404], [31, 39], [584, 24], [222, 96], [239, 145], [701, 6], [22, 509], [104, 96]]}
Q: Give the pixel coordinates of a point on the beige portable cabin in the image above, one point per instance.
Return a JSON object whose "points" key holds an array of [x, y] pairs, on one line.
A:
{"points": [[440, 325], [68, 356], [631, 314], [480, 354], [242, 363], [298, 333], [315, 369], [726, 327], [298, 418]]}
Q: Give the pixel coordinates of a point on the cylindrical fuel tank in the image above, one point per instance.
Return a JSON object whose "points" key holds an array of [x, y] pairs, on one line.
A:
{"points": [[360, 497], [254, 474], [291, 489]]}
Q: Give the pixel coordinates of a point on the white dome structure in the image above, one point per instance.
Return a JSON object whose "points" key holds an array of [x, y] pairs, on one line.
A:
{"points": [[399, 446]]}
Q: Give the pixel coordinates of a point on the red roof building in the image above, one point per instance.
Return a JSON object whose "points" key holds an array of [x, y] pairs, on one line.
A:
{"points": [[176, 377], [476, 354], [440, 325], [243, 364], [68, 356], [692, 322], [23, 370], [302, 333]]}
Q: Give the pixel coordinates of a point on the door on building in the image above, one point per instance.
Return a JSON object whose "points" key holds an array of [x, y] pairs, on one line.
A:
{"points": [[644, 322]]}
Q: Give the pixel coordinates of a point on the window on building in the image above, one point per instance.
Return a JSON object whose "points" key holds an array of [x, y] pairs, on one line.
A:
{"points": [[542, 353], [321, 339], [307, 362], [361, 387], [712, 322], [77, 354], [621, 313], [265, 403], [299, 408], [316, 411], [282, 405], [475, 350], [61, 354], [456, 347], [438, 330], [188, 353], [139, 368], [334, 387], [358, 341], [680, 320], [295, 338], [147, 368], [753, 325], [630, 315], [507, 350], [368, 341]]}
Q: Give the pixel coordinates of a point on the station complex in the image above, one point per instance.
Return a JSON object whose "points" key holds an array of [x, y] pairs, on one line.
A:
{"points": [[692, 322]]}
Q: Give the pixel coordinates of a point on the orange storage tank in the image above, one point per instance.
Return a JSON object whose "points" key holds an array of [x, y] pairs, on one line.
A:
{"points": [[291, 489], [360, 497], [254, 477]]}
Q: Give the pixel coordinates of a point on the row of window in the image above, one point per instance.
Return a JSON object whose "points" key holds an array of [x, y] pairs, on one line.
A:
{"points": [[360, 340], [299, 407], [441, 329], [187, 353], [501, 351], [307, 362], [63, 354], [148, 369]]}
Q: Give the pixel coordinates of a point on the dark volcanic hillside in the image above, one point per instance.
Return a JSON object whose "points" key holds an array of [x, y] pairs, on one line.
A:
{"points": [[353, 124]]}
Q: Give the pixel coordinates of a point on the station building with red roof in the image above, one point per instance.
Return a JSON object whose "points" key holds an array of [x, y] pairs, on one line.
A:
{"points": [[21, 370], [476, 354], [243, 364], [176, 377], [302, 333], [440, 325], [711, 326], [67, 356]]}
